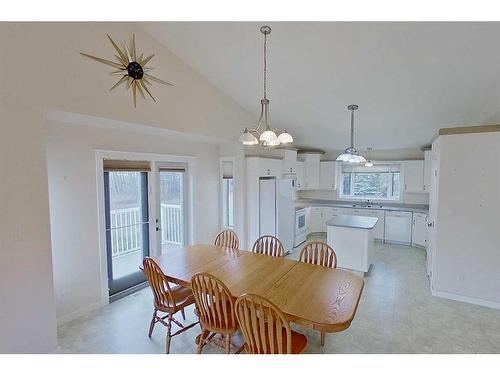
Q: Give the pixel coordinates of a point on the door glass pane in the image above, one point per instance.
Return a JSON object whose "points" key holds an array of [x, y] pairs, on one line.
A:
{"points": [[228, 202], [128, 222], [172, 209]]}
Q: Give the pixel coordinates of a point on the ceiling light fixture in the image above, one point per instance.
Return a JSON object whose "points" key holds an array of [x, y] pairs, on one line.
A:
{"points": [[369, 163], [263, 133], [350, 154]]}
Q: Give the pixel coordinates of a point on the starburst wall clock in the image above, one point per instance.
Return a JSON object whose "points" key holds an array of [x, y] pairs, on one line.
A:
{"points": [[132, 68]]}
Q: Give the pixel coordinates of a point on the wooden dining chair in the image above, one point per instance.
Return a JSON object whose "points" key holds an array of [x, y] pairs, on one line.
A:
{"points": [[322, 254], [265, 327], [268, 245], [227, 238], [215, 306], [167, 299]]}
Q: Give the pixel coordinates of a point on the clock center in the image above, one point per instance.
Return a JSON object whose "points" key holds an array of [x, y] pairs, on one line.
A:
{"points": [[135, 70]]}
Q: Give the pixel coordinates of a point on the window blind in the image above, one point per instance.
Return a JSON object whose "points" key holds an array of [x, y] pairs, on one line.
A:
{"points": [[227, 169], [126, 165], [377, 168]]}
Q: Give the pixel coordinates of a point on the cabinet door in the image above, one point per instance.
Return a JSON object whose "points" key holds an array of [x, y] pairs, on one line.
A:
{"points": [[419, 234], [328, 213], [311, 173], [327, 175], [414, 176], [378, 231], [315, 220], [427, 170], [299, 171], [270, 167]]}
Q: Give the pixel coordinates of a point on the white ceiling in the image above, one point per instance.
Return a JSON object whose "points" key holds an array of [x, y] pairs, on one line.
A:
{"points": [[409, 79]]}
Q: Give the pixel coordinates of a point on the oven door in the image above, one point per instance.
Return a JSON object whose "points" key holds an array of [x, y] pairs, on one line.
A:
{"points": [[300, 222]]}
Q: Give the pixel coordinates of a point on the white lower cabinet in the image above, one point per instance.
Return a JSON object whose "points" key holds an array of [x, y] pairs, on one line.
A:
{"points": [[316, 220], [401, 227], [419, 230]]}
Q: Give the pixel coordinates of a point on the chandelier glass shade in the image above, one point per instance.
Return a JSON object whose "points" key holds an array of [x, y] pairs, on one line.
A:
{"points": [[350, 154], [263, 133]]}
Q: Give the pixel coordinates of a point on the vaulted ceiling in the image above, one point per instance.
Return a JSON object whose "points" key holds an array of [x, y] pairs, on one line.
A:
{"points": [[409, 79]]}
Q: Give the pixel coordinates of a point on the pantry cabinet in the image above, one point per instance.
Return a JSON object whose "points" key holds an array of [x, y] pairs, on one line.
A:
{"points": [[427, 170]]}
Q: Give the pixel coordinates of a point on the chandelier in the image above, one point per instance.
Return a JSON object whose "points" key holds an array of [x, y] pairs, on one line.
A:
{"points": [[350, 154], [263, 133]]}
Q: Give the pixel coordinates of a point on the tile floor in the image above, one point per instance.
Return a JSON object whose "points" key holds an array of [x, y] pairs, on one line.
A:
{"points": [[397, 314]]}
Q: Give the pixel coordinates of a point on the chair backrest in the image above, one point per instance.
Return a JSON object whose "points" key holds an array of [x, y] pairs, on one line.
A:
{"points": [[214, 302], [227, 238], [158, 283], [319, 252], [268, 245], [264, 326]]}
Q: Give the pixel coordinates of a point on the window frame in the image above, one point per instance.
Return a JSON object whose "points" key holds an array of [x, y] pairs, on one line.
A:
{"points": [[374, 199]]}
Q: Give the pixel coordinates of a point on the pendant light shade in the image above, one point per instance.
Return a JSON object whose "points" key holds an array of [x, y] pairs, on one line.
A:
{"points": [[248, 139], [285, 137], [263, 133], [268, 137], [350, 155]]}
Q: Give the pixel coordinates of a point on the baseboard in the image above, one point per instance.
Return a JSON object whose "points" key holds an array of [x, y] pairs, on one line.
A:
{"points": [[78, 313], [466, 299]]}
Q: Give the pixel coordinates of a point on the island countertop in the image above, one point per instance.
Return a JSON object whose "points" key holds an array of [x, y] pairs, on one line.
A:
{"points": [[350, 221]]}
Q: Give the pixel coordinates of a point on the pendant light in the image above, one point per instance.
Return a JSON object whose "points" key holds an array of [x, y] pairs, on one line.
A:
{"points": [[263, 133], [350, 154], [369, 163]]}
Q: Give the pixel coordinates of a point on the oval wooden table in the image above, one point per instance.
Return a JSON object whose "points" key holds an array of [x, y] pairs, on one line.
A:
{"points": [[321, 298]]}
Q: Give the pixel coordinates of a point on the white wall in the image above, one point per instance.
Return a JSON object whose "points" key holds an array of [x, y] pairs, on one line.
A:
{"points": [[41, 69], [236, 150], [467, 255], [73, 202]]}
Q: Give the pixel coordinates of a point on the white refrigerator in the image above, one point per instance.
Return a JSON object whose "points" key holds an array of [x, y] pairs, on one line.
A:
{"points": [[277, 209]]}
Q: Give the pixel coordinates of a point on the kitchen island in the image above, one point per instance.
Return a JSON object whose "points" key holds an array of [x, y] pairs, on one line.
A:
{"points": [[352, 238]]}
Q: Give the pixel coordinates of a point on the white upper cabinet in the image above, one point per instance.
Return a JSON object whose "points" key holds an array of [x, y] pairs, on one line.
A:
{"points": [[290, 162], [299, 171], [311, 171], [327, 175], [414, 176], [427, 171], [270, 167]]}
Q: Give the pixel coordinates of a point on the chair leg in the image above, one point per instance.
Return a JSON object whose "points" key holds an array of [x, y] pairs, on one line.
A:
{"points": [[169, 333], [228, 343], [323, 334], [183, 314], [201, 343], [152, 324]]}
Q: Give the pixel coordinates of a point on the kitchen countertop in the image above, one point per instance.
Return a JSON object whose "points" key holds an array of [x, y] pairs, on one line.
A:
{"points": [[351, 221], [302, 203]]}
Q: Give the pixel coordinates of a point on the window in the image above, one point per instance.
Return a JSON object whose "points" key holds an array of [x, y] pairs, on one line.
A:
{"points": [[227, 194], [380, 182]]}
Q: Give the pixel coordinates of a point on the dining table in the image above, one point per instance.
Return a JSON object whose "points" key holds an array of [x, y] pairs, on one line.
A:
{"points": [[321, 298]]}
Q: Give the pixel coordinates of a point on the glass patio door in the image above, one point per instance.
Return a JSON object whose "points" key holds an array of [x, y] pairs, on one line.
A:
{"points": [[127, 227], [172, 217]]}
